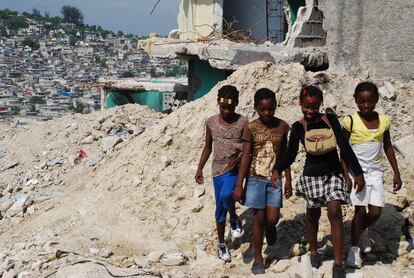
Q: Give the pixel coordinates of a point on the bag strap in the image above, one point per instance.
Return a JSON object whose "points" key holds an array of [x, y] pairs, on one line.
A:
{"points": [[325, 119], [352, 123], [305, 124]]}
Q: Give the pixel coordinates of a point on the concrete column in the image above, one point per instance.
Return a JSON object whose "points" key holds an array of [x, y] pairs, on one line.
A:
{"points": [[103, 95]]}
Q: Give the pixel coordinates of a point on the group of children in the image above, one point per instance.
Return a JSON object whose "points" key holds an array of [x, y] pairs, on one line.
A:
{"points": [[249, 159]]}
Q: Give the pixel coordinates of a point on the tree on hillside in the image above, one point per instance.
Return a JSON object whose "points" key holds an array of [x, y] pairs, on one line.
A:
{"points": [[72, 15], [7, 14], [153, 72], [36, 100], [128, 74], [16, 22], [31, 43], [36, 13]]}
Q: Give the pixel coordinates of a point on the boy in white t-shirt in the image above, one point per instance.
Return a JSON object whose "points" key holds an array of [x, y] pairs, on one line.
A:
{"points": [[369, 134]]}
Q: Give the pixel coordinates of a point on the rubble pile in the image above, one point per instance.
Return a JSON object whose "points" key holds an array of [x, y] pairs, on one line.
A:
{"points": [[44, 155], [138, 208]]}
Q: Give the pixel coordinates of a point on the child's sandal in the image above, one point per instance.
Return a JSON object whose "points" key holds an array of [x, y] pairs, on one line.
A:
{"points": [[315, 261]]}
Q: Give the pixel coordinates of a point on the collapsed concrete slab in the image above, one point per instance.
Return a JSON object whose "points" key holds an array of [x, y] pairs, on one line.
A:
{"points": [[228, 55], [133, 84]]}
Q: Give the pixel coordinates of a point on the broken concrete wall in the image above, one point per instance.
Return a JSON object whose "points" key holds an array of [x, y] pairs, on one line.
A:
{"points": [[372, 35], [307, 30], [198, 18]]}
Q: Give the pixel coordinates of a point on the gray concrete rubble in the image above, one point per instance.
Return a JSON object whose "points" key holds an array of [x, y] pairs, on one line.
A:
{"points": [[132, 84], [405, 146], [225, 54], [308, 28]]}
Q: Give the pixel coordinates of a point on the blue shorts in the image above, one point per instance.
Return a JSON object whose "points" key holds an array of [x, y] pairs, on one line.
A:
{"points": [[259, 193], [223, 191]]}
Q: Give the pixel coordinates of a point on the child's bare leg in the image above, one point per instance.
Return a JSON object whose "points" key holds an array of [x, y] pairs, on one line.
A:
{"points": [[258, 223], [363, 220], [372, 216], [272, 216], [337, 229], [220, 231], [312, 225], [357, 224]]}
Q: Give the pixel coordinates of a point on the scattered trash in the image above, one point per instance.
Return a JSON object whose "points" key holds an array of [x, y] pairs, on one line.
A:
{"points": [[81, 155], [55, 162], [10, 166]]}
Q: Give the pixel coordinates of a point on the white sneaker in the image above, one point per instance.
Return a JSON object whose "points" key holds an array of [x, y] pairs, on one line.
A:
{"points": [[238, 232], [354, 257], [366, 242], [223, 252]]}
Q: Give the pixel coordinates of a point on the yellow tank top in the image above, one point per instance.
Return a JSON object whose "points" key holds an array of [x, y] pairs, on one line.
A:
{"points": [[361, 134]]}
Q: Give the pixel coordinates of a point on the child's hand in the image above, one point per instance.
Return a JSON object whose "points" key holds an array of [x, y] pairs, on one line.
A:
{"points": [[348, 183], [199, 178], [288, 189], [275, 177], [397, 182], [359, 183], [238, 193]]}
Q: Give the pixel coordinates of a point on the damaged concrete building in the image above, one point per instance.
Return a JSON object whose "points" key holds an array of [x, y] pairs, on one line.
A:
{"points": [[219, 36]]}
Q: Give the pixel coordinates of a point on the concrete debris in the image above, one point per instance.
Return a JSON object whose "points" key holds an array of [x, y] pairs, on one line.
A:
{"points": [[297, 250], [108, 143], [94, 251], [281, 266], [55, 162], [305, 267], [197, 207], [22, 201], [141, 198], [98, 270], [2, 153], [94, 161], [5, 204], [142, 261], [87, 140], [155, 256], [405, 146], [387, 91], [399, 199], [173, 258], [308, 27], [224, 54]]}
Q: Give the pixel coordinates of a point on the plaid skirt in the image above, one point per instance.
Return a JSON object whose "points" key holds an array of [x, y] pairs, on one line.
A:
{"points": [[320, 190]]}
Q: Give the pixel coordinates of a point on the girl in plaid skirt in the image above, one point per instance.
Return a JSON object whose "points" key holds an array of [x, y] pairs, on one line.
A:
{"points": [[321, 183]]}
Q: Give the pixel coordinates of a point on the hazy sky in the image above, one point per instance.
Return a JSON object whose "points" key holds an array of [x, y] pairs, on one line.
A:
{"points": [[129, 16]]}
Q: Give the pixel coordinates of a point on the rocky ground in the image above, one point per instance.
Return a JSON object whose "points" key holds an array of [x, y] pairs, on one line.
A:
{"points": [[113, 194]]}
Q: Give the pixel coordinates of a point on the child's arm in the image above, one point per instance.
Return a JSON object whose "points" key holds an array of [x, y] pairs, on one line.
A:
{"points": [[347, 179], [288, 158], [204, 156], [347, 153], [244, 165], [389, 151], [288, 175]]}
